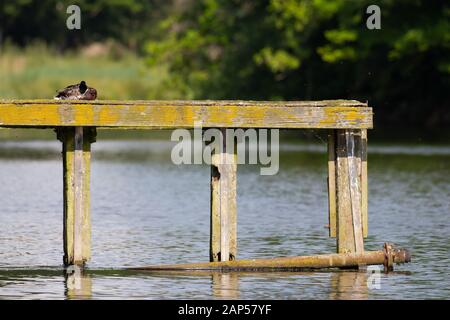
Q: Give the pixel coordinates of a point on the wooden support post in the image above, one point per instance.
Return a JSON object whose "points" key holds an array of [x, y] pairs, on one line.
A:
{"points": [[349, 233], [364, 184], [332, 183], [223, 237], [78, 181], [76, 175]]}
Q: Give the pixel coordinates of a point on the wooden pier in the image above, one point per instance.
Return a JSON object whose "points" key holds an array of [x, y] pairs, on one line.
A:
{"points": [[76, 123]]}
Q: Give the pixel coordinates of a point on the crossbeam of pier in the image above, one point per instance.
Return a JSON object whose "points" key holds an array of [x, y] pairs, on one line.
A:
{"points": [[329, 114]]}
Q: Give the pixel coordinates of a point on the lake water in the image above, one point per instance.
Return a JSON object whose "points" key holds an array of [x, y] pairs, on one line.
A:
{"points": [[146, 210]]}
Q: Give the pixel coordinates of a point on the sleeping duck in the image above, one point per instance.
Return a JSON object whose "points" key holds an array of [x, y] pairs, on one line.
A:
{"points": [[78, 91]]}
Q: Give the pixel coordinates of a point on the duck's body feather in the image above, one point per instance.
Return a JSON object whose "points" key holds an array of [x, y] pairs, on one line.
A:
{"points": [[78, 91]]}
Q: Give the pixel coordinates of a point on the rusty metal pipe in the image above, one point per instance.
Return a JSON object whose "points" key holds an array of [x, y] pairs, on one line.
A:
{"points": [[387, 257]]}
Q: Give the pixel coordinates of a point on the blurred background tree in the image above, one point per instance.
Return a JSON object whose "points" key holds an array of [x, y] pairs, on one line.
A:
{"points": [[129, 22], [246, 49], [315, 49]]}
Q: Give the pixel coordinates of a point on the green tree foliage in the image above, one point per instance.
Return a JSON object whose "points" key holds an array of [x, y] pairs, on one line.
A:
{"points": [[314, 49], [127, 21]]}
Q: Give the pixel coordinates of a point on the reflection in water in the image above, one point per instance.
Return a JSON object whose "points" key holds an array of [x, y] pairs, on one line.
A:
{"points": [[225, 285], [78, 284], [344, 285], [349, 285]]}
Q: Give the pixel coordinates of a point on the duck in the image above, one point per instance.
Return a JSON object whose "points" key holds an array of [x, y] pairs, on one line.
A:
{"points": [[79, 91]]}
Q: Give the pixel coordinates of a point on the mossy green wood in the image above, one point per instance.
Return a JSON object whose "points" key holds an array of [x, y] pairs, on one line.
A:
{"points": [[76, 195]]}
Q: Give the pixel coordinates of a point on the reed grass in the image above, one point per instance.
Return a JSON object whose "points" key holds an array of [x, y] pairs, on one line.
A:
{"points": [[36, 72]]}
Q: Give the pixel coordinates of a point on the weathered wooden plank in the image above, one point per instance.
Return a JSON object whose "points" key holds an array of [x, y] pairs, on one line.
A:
{"points": [[214, 245], [353, 138], [231, 186], [232, 204], [224, 182], [348, 190], [344, 236], [76, 176], [223, 204], [332, 183], [68, 146], [90, 135], [184, 114], [364, 184]]}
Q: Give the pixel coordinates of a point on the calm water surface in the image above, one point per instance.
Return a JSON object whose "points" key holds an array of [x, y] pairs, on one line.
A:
{"points": [[145, 210]]}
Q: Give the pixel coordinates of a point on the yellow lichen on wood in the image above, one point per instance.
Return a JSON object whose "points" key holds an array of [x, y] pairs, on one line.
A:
{"points": [[78, 199], [185, 114], [86, 213]]}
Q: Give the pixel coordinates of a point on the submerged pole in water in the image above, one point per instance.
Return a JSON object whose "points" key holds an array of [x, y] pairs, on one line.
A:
{"points": [[387, 257]]}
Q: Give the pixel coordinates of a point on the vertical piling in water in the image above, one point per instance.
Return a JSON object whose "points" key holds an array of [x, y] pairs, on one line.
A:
{"points": [[364, 184], [332, 183], [348, 190], [361, 155], [223, 236], [76, 151]]}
